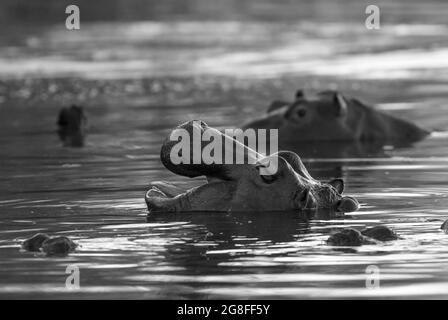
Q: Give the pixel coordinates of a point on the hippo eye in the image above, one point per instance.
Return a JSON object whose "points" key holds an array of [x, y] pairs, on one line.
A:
{"points": [[301, 113]]}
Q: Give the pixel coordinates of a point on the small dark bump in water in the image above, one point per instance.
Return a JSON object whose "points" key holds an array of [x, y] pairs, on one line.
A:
{"points": [[348, 237], [35, 242], [71, 126], [444, 226], [381, 233], [58, 246], [351, 237], [50, 246]]}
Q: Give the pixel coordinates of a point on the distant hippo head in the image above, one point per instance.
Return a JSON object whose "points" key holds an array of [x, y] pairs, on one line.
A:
{"points": [[71, 126], [330, 117], [246, 187]]}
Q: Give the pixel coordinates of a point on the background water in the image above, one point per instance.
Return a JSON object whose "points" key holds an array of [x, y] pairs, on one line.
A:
{"points": [[142, 67]]}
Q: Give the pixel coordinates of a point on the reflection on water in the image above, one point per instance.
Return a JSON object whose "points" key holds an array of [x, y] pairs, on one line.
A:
{"points": [[137, 80]]}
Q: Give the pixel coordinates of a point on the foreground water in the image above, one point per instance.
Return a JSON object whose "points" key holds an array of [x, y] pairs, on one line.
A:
{"points": [[222, 72]]}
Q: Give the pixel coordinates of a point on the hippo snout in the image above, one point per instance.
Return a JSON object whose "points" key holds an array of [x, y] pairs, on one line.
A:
{"points": [[348, 204]]}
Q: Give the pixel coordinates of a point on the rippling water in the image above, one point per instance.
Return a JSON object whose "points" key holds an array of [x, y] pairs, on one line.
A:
{"points": [[137, 80]]}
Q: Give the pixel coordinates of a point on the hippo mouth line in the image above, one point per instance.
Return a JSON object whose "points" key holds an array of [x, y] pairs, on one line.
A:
{"points": [[165, 197], [217, 195]]}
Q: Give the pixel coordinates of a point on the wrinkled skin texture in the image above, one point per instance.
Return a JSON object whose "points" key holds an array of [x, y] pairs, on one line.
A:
{"points": [[243, 187], [71, 126], [333, 117]]}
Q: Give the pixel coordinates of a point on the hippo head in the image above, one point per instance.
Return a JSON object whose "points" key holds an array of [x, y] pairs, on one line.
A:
{"points": [[319, 119], [71, 126], [247, 187], [331, 116]]}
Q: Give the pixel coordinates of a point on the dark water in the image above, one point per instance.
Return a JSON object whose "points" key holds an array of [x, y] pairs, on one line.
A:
{"points": [[138, 79]]}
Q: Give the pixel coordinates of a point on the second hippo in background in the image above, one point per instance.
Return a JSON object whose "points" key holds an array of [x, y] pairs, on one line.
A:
{"points": [[333, 117], [72, 126]]}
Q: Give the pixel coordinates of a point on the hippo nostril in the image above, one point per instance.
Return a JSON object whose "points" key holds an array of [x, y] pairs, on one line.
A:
{"points": [[347, 204]]}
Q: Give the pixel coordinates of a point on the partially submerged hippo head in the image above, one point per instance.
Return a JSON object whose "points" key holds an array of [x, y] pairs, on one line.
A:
{"points": [[71, 126], [246, 187], [51, 246], [333, 117]]}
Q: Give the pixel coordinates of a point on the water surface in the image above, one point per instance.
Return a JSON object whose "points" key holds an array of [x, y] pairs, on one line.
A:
{"points": [[138, 79]]}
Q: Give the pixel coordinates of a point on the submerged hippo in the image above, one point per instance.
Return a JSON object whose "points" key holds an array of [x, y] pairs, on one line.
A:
{"points": [[333, 117], [245, 187], [71, 126], [51, 246], [350, 237]]}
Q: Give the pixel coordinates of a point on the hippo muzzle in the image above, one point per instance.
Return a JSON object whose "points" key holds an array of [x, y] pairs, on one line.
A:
{"points": [[254, 185]]}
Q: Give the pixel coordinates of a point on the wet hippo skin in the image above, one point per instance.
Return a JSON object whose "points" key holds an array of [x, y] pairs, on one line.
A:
{"points": [[333, 117], [244, 187]]}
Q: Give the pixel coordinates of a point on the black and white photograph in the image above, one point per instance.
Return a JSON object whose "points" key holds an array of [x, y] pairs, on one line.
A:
{"points": [[235, 150]]}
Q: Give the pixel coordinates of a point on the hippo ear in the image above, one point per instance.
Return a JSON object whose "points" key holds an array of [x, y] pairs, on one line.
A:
{"points": [[276, 105], [299, 94], [341, 103], [338, 184], [62, 118]]}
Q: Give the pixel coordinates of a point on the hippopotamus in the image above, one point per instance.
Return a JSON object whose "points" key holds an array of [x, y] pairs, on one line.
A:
{"points": [[331, 116], [71, 126], [51, 246], [246, 186], [352, 238]]}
